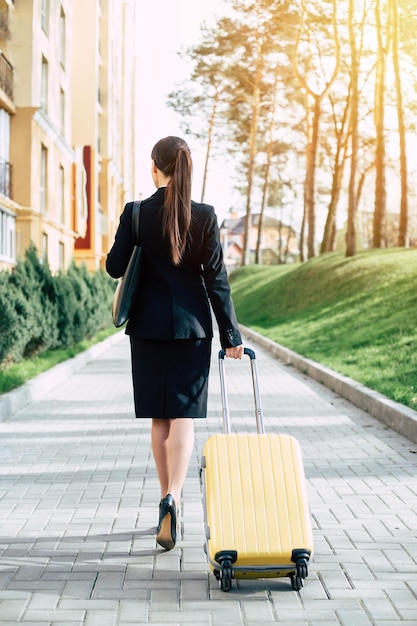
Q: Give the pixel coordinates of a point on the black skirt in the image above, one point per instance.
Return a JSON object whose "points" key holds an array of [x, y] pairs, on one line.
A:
{"points": [[170, 378]]}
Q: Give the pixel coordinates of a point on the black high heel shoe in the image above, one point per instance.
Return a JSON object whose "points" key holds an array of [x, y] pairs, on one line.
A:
{"points": [[166, 534]]}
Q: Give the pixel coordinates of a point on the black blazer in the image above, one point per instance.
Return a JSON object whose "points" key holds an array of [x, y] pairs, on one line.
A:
{"points": [[173, 302]]}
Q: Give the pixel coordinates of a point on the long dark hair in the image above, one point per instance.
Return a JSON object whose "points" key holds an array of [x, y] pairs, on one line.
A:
{"points": [[172, 156]]}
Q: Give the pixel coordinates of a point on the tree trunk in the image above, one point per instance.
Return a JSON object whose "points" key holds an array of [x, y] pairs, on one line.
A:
{"points": [[380, 180], [311, 179], [354, 82], [265, 189], [251, 167], [303, 229], [209, 141], [258, 253], [341, 133], [256, 101], [403, 234], [329, 236]]}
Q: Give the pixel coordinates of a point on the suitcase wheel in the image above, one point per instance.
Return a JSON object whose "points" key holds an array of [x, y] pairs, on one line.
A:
{"points": [[301, 572], [302, 568], [225, 576], [296, 582]]}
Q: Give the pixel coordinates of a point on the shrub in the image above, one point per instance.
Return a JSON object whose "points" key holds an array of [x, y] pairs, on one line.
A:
{"points": [[67, 305], [36, 310], [9, 319], [102, 289], [39, 311]]}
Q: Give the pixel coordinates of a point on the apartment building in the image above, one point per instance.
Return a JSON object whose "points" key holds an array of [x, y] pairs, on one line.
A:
{"points": [[7, 110], [66, 123]]}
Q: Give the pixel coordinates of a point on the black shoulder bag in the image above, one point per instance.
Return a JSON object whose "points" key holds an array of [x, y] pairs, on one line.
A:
{"points": [[126, 291]]}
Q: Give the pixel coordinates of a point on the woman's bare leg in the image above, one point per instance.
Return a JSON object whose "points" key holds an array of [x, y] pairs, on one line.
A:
{"points": [[159, 437], [180, 448], [172, 446]]}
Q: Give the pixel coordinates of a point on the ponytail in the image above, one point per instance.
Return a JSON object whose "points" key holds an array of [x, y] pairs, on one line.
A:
{"points": [[172, 156]]}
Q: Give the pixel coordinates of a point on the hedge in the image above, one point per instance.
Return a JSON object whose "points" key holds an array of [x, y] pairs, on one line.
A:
{"points": [[40, 311]]}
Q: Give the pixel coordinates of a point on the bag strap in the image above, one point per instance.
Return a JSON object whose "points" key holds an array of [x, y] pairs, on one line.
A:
{"points": [[135, 221]]}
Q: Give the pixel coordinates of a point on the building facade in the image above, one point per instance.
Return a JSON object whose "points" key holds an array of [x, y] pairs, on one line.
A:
{"points": [[66, 123], [278, 241], [7, 111]]}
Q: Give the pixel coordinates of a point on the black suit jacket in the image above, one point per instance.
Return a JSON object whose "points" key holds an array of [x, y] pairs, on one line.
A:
{"points": [[173, 301]]}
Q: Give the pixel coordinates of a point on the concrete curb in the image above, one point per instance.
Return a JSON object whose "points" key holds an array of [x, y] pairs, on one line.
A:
{"points": [[38, 387], [397, 416]]}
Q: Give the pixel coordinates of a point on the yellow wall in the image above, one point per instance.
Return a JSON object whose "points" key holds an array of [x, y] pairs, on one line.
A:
{"points": [[84, 81], [98, 59], [32, 224]]}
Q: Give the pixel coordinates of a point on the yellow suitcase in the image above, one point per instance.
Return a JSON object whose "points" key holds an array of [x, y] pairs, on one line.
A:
{"points": [[257, 517]]}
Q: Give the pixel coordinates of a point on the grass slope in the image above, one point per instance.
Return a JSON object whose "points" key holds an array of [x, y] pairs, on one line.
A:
{"points": [[356, 315]]}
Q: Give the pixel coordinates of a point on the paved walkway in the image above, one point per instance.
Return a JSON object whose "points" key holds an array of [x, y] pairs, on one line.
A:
{"points": [[79, 497]]}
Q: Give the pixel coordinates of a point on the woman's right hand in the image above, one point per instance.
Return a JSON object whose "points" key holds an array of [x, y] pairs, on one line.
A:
{"points": [[236, 352]]}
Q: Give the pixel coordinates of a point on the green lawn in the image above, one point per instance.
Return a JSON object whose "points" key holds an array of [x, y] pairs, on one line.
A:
{"points": [[18, 373], [357, 316]]}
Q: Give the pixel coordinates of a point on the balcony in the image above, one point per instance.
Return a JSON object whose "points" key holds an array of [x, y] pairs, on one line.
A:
{"points": [[4, 25], [6, 76], [6, 169]]}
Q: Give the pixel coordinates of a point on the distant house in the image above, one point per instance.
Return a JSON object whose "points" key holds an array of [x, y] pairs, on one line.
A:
{"points": [[278, 244]]}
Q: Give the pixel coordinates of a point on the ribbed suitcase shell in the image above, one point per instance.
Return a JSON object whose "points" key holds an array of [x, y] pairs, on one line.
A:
{"points": [[255, 500]]}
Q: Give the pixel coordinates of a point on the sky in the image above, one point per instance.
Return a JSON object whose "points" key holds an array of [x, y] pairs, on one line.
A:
{"points": [[163, 28]]}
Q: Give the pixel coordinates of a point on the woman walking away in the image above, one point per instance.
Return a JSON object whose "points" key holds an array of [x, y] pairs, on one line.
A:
{"points": [[170, 327]]}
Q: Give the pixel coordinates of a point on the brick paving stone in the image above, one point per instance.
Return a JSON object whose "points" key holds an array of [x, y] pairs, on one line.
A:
{"points": [[12, 609], [153, 623], [410, 621], [44, 601], [183, 617], [192, 588], [38, 623], [68, 615], [226, 618], [353, 617], [89, 605], [257, 611], [132, 610], [79, 497], [381, 608], [99, 618]]}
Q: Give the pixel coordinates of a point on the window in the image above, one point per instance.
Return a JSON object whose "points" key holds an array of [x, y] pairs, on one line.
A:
{"points": [[44, 85], [7, 236], [45, 14], [11, 236], [5, 167], [62, 110], [61, 197], [44, 179], [44, 256], [62, 37], [4, 135], [61, 259]]}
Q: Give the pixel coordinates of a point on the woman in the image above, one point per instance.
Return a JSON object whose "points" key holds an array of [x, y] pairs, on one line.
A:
{"points": [[170, 329]]}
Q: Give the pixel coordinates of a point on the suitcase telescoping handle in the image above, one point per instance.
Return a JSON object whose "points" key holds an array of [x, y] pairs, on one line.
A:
{"points": [[256, 395]]}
